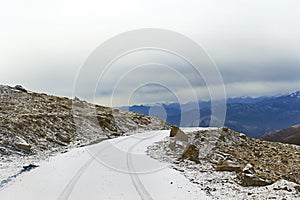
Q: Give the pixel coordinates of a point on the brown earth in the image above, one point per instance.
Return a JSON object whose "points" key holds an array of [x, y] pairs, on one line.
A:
{"points": [[290, 135], [32, 122]]}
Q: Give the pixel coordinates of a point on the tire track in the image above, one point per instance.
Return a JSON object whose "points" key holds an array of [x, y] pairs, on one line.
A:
{"points": [[140, 188], [70, 186]]}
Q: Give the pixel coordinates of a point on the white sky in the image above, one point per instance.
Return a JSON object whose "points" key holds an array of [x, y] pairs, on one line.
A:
{"points": [[255, 44]]}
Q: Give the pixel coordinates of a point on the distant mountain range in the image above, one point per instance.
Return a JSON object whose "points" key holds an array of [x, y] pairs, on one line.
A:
{"points": [[252, 116]]}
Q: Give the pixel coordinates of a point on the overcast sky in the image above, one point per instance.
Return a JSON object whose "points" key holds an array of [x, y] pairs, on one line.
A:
{"points": [[255, 44]]}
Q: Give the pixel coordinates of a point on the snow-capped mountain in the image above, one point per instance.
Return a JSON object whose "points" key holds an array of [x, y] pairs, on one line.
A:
{"points": [[252, 116], [294, 94]]}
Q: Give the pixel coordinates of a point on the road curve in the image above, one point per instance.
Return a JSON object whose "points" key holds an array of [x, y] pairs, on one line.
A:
{"points": [[113, 169]]}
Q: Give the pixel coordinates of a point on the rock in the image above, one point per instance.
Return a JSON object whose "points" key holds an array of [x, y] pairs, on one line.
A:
{"points": [[248, 169], [297, 188], [283, 188], [76, 99], [21, 88], [243, 136], [225, 129], [77, 103], [228, 165], [63, 138], [191, 153], [253, 180], [222, 137], [178, 134], [173, 131], [21, 144], [248, 177], [172, 146], [49, 139], [28, 167]]}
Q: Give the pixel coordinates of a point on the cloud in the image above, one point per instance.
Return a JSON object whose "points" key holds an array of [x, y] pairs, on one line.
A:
{"points": [[255, 44]]}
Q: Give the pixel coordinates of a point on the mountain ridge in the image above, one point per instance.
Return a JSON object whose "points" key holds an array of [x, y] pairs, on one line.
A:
{"points": [[252, 116], [290, 135]]}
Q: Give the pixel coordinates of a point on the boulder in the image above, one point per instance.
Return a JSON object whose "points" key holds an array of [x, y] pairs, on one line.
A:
{"points": [[228, 165], [178, 134], [21, 144], [253, 180], [21, 88], [173, 131], [248, 169], [63, 138], [248, 177], [191, 153]]}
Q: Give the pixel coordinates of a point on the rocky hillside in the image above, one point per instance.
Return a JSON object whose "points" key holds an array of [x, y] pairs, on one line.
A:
{"points": [[37, 125], [229, 165], [290, 135], [32, 122]]}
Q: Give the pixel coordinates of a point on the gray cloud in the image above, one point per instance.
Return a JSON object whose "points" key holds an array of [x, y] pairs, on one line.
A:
{"points": [[255, 44], [264, 71]]}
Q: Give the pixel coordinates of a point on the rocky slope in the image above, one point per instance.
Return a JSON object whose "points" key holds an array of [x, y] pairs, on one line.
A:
{"points": [[290, 135], [229, 165], [34, 126]]}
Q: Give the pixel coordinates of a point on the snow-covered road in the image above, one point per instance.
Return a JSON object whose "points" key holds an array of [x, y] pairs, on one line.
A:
{"points": [[113, 169]]}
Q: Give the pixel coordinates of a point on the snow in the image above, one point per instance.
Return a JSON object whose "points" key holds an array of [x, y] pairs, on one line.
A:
{"points": [[295, 94], [218, 184], [121, 169], [113, 169]]}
